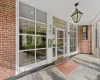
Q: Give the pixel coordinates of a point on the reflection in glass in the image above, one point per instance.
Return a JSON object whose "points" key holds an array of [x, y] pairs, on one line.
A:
{"points": [[41, 55], [54, 52], [71, 34], [74, 48], [54, 42], [65, 50], [74, 28], [71, 48], [50, 43], [59, 42], [26, 42], [41, 29], [59, 34], [54, 30], [60, 51], [26, 58], [65, 42], [40, 42], [74, 34], [41, 16], [26, 11], [31, 37], [59, 22], [71, 26], [74, 42], [72, 38], [65, 46], [71, 42], [26, 26]]}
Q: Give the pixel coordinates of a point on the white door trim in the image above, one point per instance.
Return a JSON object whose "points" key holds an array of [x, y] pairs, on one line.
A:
{"points": [[31, 66], [60, 29], [68, 41]]}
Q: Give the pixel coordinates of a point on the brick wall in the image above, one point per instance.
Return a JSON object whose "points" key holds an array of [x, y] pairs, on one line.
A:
{"points": [[7, 38], [85, 46]]}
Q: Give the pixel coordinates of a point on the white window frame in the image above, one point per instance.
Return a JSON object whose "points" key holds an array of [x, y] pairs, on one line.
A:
{"points": [[31, 66], [60, 29], [77, 50], [68, 40]]}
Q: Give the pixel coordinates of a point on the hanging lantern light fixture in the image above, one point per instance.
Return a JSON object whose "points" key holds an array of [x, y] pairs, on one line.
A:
{"points": [[76, 16]]}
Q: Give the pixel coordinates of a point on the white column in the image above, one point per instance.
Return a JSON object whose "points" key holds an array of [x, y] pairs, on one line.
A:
{"points": [[94, 38], [98, 40], [17, 37], [68, 39], [77, 48], [49, 36]]}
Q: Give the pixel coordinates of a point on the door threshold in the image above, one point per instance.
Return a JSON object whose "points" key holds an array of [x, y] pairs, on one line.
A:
{"points": [[60, 57], [61, 61]]}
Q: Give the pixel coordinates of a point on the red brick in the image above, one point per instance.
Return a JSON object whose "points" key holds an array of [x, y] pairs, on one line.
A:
{"points": [[85, 46], [7, 38]]}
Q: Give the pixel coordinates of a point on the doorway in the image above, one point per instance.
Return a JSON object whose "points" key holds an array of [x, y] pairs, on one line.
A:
{"points": [[60, 41]]}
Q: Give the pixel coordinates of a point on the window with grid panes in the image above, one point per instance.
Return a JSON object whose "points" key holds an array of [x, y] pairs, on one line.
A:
{"points": [[85, 32], [32, 35], [72, 38]]}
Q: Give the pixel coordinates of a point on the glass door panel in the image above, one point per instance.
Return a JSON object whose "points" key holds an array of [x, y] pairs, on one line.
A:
{"points": [[60, 51], [41, 55], [60, 44], [59, 34]]}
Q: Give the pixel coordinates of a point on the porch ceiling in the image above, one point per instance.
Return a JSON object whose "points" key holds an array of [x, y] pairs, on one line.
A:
{"points": [[91, 10], [65, 8]]}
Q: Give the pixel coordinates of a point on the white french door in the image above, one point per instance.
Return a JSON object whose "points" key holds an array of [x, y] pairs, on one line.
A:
{"points": [[60, 43]]}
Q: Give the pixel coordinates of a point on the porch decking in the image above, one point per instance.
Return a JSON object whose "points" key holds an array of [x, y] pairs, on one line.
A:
{"points": [[88, 69]]}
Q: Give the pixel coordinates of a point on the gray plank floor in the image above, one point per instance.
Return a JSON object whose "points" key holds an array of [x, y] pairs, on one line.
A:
{"points": [[89, 69]]}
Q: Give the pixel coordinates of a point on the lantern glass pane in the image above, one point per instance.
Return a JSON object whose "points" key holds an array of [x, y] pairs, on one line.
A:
{"points": [[74, 17], [79, 16]]}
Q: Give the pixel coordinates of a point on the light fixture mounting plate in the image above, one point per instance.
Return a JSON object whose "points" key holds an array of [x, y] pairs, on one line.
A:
{"points": [[76, 4]]}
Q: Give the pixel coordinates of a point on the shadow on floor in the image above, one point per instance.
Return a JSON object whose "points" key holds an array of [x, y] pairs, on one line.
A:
{"points": [[97, 68], [53, 75], [88, 62], [98, 78]]}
